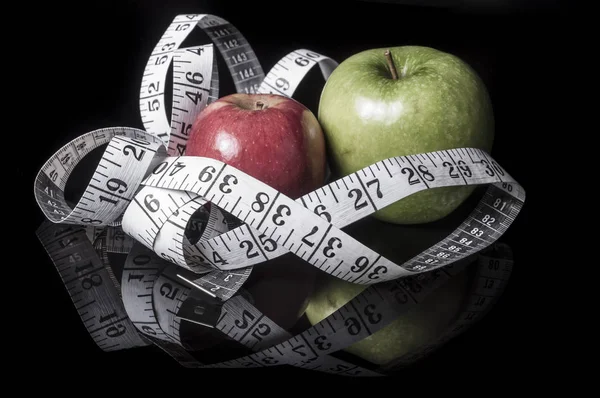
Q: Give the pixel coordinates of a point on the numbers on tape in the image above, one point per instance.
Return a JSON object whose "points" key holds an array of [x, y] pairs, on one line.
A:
{"points": [[141, 273], [285, 77], [242, 322], [145, 182], [310, 226], [128, 155], [370, 311], [376, 307], [191, 88], [167, 214], [194, 87], [87, 280]]}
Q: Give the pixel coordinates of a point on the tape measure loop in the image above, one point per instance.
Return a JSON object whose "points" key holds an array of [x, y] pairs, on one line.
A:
{"points": [[268, 232]]}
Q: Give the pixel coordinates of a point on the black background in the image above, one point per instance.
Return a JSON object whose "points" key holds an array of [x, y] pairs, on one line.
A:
{"points": [[92, 56]]}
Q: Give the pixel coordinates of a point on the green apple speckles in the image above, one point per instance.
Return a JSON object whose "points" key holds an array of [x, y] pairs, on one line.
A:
{"points": [[437, 102]]}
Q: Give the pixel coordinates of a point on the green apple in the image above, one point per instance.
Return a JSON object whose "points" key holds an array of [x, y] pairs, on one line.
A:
{"points": [[417, 99], [413, 329]]}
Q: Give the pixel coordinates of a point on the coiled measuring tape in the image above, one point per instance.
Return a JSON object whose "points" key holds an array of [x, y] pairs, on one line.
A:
{"points": [[145, 195]]}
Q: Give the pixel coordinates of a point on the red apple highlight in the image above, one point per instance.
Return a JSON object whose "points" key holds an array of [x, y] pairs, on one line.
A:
{"points": [[272, 138]]}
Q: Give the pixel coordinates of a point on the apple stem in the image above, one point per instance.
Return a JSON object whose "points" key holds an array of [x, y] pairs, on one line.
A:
{"points": [[259, 105], [390, 61]]}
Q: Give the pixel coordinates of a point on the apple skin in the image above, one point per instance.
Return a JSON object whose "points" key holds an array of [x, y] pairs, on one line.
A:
{"points": [[280, 142], [438, 102], [413, 329]]}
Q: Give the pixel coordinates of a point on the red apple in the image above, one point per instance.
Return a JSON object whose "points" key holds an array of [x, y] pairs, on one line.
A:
{"points": [[273, 138]]}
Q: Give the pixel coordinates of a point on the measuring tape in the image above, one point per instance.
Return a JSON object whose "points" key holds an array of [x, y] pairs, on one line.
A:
{"points": [[193, 228], [155, 296], [86, 278]]}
